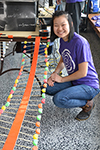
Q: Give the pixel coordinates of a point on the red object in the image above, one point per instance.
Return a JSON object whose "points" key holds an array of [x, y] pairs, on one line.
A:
{"points": [[43, 101], [20, 73], [12, 92], [45, 80], [24, 51], [46, 60]]}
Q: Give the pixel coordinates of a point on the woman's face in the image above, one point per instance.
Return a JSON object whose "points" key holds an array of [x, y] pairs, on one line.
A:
{"points": [[61, 27]]}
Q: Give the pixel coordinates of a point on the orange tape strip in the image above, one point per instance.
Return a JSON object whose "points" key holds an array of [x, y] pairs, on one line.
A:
{"points": [[10, 36], [14, 131]]}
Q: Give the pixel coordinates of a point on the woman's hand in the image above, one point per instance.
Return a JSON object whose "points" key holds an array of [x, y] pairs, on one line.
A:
{"points": [[50, 82], [56, 78]]}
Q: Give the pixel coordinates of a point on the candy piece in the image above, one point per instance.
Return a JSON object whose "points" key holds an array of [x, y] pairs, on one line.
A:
{"points": [[8, 99], [45, 85], [45, 80], [24, 46], [10, 96], [43, 95], [47, 64], [45, 76], [3, 107], [47, 45], [37, 131], [15, 84], [46, 68], [21, 70], [43, 101], [46, 56], [38, 117], [11, 92], [14, 88], [7, 104], [46, 60], [16, 81], [20, 73], [45, 49], [46, 52], [35, 148], [29, 37], [48, 40], [1, 111], [44, 90], [22, 67], [45, 72], [23, 55], [18, 77], [24, 51], [23, 62], [40, 105], [37, 124], [35, 136], [40, 110], [35, 142], [25, 42]]}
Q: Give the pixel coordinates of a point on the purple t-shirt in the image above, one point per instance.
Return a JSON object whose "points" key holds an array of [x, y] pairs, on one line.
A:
{"points": [[74, 1], [75, 52]]}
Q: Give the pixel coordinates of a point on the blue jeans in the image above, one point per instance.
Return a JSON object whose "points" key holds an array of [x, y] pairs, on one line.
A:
{"points": [[65, 95]]}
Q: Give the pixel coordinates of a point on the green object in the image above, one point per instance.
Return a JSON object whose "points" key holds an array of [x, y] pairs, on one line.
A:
{"points": [[43, 95], [48, 42], [45, 76], [7, 104], [39, 117], [40, 110], [14, 88], [46, 68], [35, 142], [24, 55], [23, 62]]}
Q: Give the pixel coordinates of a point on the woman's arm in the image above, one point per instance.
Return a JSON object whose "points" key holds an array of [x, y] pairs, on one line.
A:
{"points": [[59, 67], [82, 72]]}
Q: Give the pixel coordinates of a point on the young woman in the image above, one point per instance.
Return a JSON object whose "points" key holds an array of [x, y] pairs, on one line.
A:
{"points": [[81, 85]]}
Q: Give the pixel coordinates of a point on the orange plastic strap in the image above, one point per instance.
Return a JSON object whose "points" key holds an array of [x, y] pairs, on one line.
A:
{"points": [[14, 131], [44, 38], [10, 36]]}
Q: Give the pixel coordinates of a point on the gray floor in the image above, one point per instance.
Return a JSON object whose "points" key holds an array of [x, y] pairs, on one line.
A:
{"points": [[59, 129]]}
